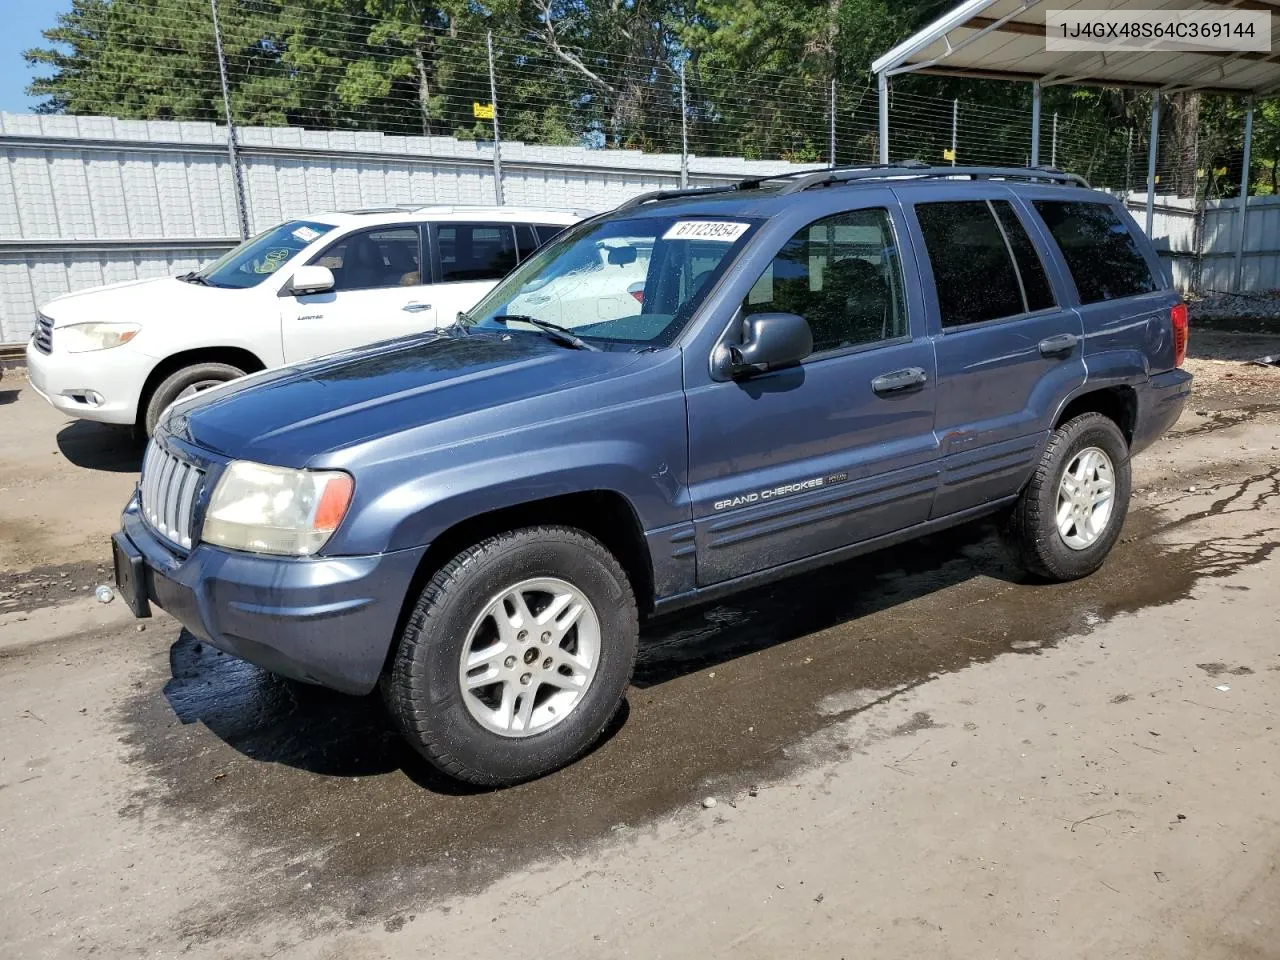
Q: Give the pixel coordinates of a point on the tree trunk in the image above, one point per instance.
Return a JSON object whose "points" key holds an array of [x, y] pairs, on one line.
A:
{"points": [[424, 88]]}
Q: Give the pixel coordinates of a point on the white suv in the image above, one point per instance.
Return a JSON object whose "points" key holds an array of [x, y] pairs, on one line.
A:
{"points": [[123, 352]]}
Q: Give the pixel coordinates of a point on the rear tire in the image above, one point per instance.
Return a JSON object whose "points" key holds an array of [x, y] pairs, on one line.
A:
{"points": [[502, 605], [1064, 529], [197, 377]]}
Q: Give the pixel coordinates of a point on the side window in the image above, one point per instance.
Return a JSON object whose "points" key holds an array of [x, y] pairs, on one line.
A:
{"points": [[973, 269], [1035, 284], [1101, 253], [475, 251], [385, 257], [843, 275], [526, 240], [548, 231]]}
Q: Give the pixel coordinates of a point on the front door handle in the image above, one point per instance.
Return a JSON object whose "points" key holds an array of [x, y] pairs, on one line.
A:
{"points": [[899, 381], [414, 306], [1058, 346]]}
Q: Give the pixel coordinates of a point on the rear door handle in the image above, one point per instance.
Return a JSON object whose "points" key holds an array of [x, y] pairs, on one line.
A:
{"points": [[414, 307], [1057, 346], [899, 381]]}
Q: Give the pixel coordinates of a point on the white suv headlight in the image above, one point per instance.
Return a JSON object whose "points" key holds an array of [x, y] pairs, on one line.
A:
{"points": [[84, 337], [267, 509]]}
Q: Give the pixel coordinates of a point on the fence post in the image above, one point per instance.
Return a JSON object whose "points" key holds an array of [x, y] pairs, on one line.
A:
{"points": [[1053, 150], [1035, 123], [955, 128], [684, 133], [1128, 166], [497, 136], [832, 154], [237, 177]]}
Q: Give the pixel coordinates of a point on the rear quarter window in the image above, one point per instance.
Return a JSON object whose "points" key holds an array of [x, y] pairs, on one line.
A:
{"points": [[1101, 252]]}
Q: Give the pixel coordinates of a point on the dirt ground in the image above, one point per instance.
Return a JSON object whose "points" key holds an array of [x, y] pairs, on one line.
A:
{"points": [[918, 753]]}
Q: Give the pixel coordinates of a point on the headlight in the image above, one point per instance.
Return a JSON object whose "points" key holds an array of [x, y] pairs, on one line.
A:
{"points": [[83, 337], [276, 510]]}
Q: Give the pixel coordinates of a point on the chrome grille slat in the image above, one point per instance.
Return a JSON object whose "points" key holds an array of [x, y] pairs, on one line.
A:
{"points": [[168, 494], [44, 333]]}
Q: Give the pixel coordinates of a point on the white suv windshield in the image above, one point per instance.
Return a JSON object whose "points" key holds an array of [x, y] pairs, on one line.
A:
{"points": [[254, 260], [633, 282]]}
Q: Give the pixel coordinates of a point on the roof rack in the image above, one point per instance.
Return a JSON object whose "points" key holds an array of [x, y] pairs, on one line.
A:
{"points": [[801, 180], [917, 170]]}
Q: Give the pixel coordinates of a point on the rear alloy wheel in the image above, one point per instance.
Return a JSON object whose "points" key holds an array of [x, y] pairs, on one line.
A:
{"points": [[516, 656], [1070, 513]]}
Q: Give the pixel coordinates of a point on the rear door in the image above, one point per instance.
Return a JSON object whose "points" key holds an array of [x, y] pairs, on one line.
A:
{"points": [[379, 293], [840, 448], [469, 258], [1008, 348]]}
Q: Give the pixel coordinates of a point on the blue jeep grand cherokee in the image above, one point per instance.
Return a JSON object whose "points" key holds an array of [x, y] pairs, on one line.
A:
{"points": [[694, 394]]}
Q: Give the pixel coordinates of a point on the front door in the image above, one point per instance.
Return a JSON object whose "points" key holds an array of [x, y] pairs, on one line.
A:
{"points": [[379, 292], [834, 451], [1008, 352]]}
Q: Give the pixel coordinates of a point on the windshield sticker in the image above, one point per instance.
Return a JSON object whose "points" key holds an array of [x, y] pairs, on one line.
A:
{"points": [[272, 260], [306, 234], [723, 231]]}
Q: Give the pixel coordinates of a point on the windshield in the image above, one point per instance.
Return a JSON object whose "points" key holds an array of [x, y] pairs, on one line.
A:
{"points": [[627, 282], [255, 260]]}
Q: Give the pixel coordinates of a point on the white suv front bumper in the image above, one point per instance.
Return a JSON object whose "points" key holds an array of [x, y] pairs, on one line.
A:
{"points": [[102, 385]]}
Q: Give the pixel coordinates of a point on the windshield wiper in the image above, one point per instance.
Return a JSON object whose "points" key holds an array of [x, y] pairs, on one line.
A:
{"points": [[554, 331], [193, 277]]}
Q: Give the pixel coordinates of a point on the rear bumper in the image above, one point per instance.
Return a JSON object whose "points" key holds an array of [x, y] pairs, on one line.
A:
{"points": [[1159, 406], [328, 620]]}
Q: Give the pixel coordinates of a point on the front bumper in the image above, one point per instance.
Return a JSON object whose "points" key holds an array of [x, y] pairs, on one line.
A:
{"points": [[101, 385], [325, 620]]}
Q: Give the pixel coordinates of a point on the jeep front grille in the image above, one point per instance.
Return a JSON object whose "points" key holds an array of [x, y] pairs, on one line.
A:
{"points": [[170, 486]]}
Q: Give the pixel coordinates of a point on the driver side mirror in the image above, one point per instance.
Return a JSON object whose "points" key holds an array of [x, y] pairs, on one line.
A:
{"points": [[311, 279], [769, 341]]}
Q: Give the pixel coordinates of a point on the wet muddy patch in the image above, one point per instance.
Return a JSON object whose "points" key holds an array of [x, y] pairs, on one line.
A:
{"points": [[45, 586], [330, 817]]}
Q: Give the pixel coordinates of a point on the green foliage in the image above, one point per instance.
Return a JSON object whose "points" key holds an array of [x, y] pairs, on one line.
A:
{"points": [[607, 73]]}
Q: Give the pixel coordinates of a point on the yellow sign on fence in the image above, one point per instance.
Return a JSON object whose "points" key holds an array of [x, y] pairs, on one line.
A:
{"points": [[483, 111], [948, 154]]}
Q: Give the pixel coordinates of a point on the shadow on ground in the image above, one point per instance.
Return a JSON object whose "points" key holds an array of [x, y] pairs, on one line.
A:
{"points": [[101, 446]]}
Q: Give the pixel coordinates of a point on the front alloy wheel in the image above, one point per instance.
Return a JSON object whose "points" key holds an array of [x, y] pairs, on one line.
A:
{"points": [[516, 655], [530, 657]]}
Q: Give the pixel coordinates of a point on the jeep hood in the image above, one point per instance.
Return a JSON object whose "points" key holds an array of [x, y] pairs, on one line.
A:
{"points": [[291, 415]]}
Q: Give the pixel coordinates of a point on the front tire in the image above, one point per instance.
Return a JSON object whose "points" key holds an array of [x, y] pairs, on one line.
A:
{"points": [[182, 383], [1069, 515], [516, 656]]}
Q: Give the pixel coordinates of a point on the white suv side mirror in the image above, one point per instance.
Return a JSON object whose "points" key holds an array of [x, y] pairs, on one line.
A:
{"points": [[311, 279]]}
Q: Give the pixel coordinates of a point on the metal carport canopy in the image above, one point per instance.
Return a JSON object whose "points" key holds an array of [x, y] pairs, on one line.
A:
{"points": [[1005, 40]]}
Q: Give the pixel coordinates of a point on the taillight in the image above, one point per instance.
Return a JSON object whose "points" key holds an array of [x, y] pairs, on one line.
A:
{"points": [[639, 295], [1181, 332]]}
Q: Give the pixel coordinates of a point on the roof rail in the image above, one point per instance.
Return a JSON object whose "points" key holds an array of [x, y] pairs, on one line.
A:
{"points": [[916, 170], [800, 180], [644, 198]]}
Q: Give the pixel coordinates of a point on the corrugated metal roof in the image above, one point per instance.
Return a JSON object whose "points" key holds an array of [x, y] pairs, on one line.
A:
{"points": [[1005, 40]]}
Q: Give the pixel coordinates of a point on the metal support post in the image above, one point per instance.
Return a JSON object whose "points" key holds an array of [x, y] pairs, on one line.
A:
{"points": [[1153, 152]]}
